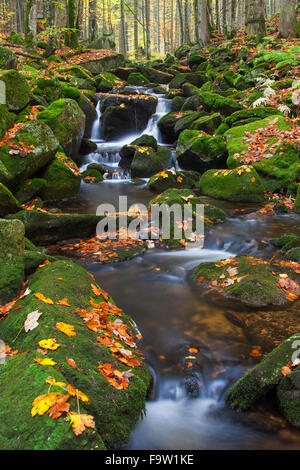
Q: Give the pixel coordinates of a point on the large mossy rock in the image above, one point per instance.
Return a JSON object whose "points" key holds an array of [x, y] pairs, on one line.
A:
{"points": [[8, 203], [197, 151], [62, 179], [236, 137], [115, 411], [215, 102], [67, 122], [208, 124], [220, 56], [15, 168], [106, 81], [7, 120], [18, 93], [263, 378], [122, 114], [197, 207], [281, 170], [195, 78], [241, 184], [257, 286], [246, 116], [155, 76], [168, 179], [137, 79], [8, 60], [103, 43], [30, 188], [46, 227], [48, 88], [288, 394], [146, 161], [106, 63], [11, 259]]}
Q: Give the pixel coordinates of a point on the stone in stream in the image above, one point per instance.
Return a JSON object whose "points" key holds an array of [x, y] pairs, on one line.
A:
{"points": [[122, 114], [212, 214], [92, 175], [172, 124], [171, 179], [146, 161], [106, 81], [115, 412], [11, 259], [44, 227], [15, 168], [67, 122], [264, 378], [241, 184], [17, 91], [127, 151], [255, 283], [200, 152]]}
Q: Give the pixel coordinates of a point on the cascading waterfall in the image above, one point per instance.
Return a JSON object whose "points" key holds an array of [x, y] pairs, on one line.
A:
{"points": [[108, 152]]}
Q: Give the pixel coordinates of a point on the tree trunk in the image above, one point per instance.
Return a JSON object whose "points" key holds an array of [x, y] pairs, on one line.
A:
{"points": [[255, 17], [180, 16], [71, 35], [123, 29], [30, 27], [136, 29], [203, 29], [50, 19], [196, 20], [233, 18], [288, 19], [148, 41], [93, 27]]}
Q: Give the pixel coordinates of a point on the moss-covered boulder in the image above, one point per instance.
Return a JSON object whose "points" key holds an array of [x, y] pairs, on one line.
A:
{"points": [[106, 81], [8, 60], [252, 282], [62, 179], [18, 93], [241, 184], [146, 161], [281, 170], [155, 76], [42, 145], [207, 124], [30, 188], [92, 175], [48, 88], [11, 259], [67, 122], [220, 56], [198, 151], [114, 411], [173, 179], [187, 121], [246, 116], [288, 395], [215, 102], [182, 197], [87, 146], [6, 120], [263, 378], [168, 122], [137, 79], [47, 227], [102, 63], [195, 78], [237, 138], [8, 203]]}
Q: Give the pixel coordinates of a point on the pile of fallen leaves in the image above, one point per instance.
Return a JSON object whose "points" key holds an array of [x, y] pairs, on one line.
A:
{"points": [[67, 161], [258, 143], [277, 202], [16, 148]]}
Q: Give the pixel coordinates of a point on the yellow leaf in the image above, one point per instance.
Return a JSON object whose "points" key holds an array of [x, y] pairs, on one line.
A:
{"points": [[43, 298], [66, 329], [49, 344], [42, 403], [45, 362], [77, 393], [53, 382], [80, 422]]}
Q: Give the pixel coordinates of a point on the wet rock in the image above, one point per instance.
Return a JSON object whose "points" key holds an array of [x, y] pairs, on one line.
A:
{"points": [[173, 179], [92, 175], [8, 60], [30, 188], [288, 393], [87, 146], [207, 124], [15, 168], [263, 378], [115, 412], [18, 93], [195, 78], [106, 81], [233, 185], [104, 64], [137, 79], [122, 114], [62, 179], [11, 259], [146, 161], [257, 285], [196, 151], [67, 122]]}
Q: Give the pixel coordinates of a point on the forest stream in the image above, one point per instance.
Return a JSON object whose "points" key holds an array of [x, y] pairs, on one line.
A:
{"points": [[185, 407]]}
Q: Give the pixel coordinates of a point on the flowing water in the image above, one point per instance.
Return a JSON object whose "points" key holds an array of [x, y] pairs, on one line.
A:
{"points": [[185, 409]]}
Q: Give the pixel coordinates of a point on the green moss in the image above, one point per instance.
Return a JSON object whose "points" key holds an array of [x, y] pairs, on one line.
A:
{"points": [[239, 184], [29, 189], [281, 170], [215, 102], [115, 411], [240, 118], [8, 203], [48, 88], [8, 59], [237, 141], [263, 378], [7, 120], [172, 179], [208, 124], [195, 78], [146, 161], [258, 288], [137, 79], [294, 254], [283, 240], [297, 201], [92, 173], [18, 93], [62, 179], [197, 151]]}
